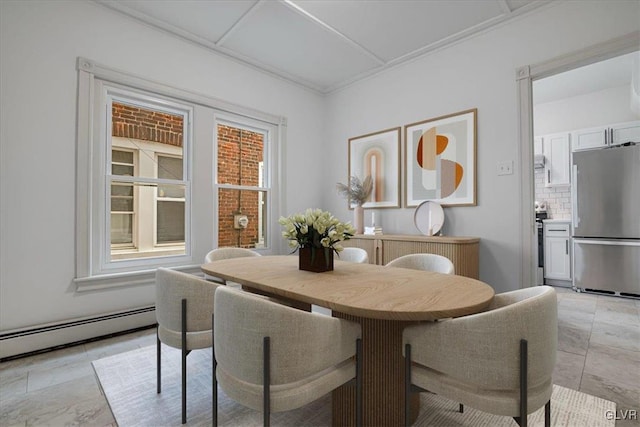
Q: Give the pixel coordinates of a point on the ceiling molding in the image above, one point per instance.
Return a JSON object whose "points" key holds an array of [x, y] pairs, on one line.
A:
{"points": [[202, 42], [468, 34], [219, 45]]}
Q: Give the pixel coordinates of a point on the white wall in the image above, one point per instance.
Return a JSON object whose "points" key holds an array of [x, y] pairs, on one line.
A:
{"points": [[40, 41], [476, 73], [603, 107]]}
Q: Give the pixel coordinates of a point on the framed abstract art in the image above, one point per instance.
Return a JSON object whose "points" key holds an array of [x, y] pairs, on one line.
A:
{"points": [[440, 160], [378, 154]]}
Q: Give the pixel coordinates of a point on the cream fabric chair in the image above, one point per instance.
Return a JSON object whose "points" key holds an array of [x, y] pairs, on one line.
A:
{"points": [[184, 307], [226, 253], [354, 255], [275, 358], [357, 255], [499, 361], [427, 262]]}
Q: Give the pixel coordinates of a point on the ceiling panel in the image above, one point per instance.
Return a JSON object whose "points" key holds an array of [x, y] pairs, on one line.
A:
{"points": [[276, 35], [209, 20], [322, 44], [391, 29]]}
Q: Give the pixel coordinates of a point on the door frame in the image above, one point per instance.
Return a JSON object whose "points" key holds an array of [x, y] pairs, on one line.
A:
{"points": [[525, 75]]}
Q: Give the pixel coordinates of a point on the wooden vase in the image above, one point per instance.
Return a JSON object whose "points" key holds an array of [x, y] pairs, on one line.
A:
{"points": [[314, 259], [358, 219]]}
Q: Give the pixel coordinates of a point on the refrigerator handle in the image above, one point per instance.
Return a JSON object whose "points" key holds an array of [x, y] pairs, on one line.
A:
{"points": [[574, 196]]}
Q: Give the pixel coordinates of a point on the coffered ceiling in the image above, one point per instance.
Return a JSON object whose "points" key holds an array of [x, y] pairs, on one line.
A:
{"points": [[323, 44]]}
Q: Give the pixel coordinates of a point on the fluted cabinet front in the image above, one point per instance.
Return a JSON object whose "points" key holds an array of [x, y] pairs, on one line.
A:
{"points": [[462, 251]]}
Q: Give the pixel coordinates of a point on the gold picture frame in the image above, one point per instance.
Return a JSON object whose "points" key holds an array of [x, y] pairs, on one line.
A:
{"points": [[440, 160], [377, 154]]}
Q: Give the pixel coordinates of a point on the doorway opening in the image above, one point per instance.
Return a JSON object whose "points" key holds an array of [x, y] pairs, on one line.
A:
{"points": [[526, 76]]}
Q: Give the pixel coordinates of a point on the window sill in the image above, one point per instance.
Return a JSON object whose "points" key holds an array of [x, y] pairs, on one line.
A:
{"points": [[127, 279]]}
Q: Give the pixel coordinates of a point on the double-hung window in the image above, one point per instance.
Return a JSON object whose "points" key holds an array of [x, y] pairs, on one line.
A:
{"points": [[243, 181], [146, 200], [146, 184], [138, 182]]}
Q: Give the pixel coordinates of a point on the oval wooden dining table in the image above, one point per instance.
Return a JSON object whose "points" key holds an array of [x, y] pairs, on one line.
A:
{"points": [[384, 300]]}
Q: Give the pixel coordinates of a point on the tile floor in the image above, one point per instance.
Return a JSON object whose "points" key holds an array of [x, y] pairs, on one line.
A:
{"points": [[598, 353]]}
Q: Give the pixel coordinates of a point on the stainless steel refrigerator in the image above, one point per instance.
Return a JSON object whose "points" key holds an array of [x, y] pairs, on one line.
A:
{"points": [[606, 219]]}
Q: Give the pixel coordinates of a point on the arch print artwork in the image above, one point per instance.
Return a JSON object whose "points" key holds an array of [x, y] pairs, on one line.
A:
{"points": [[378, 154], [440, 160]]}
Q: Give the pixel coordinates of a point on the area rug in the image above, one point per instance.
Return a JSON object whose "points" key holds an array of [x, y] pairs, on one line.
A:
{"points": [[128, 381]]}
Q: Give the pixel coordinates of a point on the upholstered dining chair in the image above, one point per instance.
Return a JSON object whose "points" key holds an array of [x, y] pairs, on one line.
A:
{"points": [[427, 262], [354, 255], [275, 358], [226, 253], [351, 254], [499, 361], [184, 308]]}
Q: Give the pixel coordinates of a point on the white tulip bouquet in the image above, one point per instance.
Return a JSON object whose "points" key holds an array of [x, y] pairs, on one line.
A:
{"points": [[316, 229]]}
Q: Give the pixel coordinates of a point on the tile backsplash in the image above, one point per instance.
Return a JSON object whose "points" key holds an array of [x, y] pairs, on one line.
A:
{"points": [[558, 199]]}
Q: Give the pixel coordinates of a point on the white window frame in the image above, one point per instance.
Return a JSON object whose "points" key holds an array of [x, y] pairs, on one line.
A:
{"points": [[89, 275], [107, 93], [270, 159]]}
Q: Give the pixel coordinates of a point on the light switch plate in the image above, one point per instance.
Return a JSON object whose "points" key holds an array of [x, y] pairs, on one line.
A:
{"points": [[505, 168]]}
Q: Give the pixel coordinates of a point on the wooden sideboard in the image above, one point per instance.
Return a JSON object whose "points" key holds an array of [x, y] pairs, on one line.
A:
{"points": [[382, 248]]}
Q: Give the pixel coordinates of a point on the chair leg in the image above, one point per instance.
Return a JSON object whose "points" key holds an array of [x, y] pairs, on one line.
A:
{"points": [[184, 361], [407, 382], [547, 414], [522, 419], [266, 381], [158, 376], [214, 380], [359, 382]]}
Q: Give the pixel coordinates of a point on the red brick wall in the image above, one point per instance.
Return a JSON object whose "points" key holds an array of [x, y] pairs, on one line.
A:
{"points": [[148, 125], [229, 159]]}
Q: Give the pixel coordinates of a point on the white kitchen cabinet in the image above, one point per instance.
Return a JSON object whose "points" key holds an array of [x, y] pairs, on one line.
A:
{"points": [[557, 167], [557, 250], [589, 138], [603, 136], [625, 132]]}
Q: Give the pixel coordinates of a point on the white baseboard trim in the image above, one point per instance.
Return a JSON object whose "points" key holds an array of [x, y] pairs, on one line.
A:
{"points": [[13, 343]]}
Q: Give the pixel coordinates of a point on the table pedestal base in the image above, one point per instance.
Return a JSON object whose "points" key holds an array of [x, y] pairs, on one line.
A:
{"points": [[383, 377]]}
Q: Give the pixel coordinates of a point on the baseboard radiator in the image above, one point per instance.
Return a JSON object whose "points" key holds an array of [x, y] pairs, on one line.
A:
{"points": [[54, 335]]}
